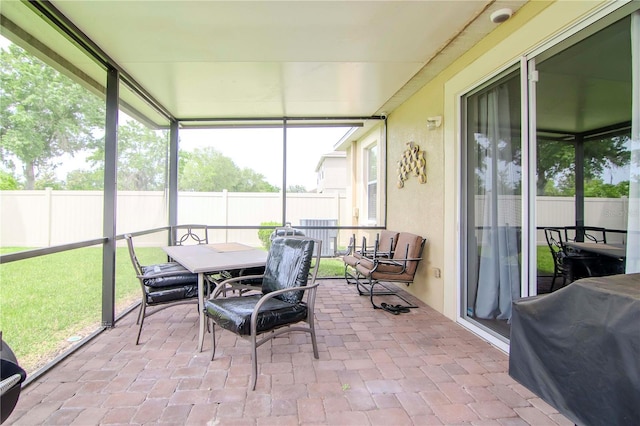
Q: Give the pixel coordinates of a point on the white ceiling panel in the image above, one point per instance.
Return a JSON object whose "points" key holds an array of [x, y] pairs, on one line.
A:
{"points": [[225, 59]]}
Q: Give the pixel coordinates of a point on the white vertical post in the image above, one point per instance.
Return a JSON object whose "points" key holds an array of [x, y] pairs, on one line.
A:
{"points": [[225, 203], [48, 194]]}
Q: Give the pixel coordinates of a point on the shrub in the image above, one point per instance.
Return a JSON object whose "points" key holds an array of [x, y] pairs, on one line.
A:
{"points": [[265, 234]]}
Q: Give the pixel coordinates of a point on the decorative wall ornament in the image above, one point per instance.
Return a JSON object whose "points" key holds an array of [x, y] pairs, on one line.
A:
{"points": [[412, 163]]}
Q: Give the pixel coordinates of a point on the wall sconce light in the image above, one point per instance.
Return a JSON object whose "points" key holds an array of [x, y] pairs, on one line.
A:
{"points": [[434, 122]]}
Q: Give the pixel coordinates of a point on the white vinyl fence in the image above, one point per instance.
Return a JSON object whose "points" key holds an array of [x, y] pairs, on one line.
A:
{"points": [[609, 213], [46, 218]]}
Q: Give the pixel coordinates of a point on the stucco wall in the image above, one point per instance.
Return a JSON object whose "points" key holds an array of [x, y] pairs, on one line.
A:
{"points": [[432, 209]]}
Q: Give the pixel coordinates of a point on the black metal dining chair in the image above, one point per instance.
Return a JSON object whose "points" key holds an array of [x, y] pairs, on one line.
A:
{"points": [[283, 304], [182, 235], [590, 234], [567, 265]]}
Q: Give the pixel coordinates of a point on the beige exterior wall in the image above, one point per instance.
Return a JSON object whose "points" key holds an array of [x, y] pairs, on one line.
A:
{"points": [[356, 169], [432, 209], [332, 175]]}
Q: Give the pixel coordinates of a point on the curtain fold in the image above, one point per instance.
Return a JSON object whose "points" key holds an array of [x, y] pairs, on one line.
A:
{"points": [[499, 270]]}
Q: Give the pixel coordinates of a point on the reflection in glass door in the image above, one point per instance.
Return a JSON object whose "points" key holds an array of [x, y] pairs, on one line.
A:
{"points": [[493, 202], [583, 146]]}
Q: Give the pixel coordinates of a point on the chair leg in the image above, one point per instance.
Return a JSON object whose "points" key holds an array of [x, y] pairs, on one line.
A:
{"points": [[141, 315], [348, 277], [312, 331], [254, 363], [213, 337], [140, 312], [553, 281]]}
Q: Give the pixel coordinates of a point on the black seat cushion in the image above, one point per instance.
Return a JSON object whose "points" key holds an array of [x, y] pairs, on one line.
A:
{"points": [[169, 288], [288, 266], [258, 270], [234, 313], [169, 294], [168, 281]]}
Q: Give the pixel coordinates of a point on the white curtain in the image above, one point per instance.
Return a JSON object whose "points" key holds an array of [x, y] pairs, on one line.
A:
{"points": [[499, 272], [633, 227]]}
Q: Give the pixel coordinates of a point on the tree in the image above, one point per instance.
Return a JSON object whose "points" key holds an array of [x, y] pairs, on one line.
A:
{"points": [[142, 158], [556, 159], [142, 161], [48, 179], [85, 180], [207, 170], [43, 114], [296, 189], [8, 181]]}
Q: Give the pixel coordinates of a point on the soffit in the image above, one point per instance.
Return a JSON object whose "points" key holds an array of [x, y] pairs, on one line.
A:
{"points": [[226, 59]]}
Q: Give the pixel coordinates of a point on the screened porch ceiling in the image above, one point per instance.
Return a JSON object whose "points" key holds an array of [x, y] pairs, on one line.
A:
{"points": [[266, 59]]}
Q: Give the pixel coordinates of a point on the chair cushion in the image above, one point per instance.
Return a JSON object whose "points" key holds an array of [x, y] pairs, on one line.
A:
{"points": [[168, 281], [414, 242], [388, 241], [288, 266], [365, 266], [352, 260], [234, 313], [259, 270], [408, 246], [170, 294]]}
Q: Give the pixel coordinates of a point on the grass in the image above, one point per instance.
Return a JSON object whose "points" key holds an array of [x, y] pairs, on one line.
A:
{"points": [[545, 261], [46, 300]]}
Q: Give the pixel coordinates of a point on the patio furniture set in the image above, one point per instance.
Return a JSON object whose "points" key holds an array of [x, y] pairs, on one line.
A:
{"points": [[582, 252], [260, 295]]}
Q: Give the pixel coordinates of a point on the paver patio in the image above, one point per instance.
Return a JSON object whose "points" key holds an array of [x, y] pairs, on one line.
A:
{"points": [[375, 368]]}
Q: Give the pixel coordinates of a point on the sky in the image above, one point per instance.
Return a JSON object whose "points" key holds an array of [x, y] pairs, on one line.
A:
{"points": [[261, 150]]}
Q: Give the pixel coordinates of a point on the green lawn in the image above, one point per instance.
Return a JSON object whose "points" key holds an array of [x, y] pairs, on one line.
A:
{"points": [[48, 299], [545, 261]]}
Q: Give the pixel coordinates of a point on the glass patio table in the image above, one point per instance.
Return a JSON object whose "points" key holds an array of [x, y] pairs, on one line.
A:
{"points": [[208, 258]]}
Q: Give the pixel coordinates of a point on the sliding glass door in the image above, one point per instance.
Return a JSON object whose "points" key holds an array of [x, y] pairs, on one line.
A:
{"points": [[582, 106], [585, 179], [493, 202]]}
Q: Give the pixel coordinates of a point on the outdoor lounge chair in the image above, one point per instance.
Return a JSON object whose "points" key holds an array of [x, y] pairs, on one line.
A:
{"points": [[383, 246], [284, 301], [400, 268]]}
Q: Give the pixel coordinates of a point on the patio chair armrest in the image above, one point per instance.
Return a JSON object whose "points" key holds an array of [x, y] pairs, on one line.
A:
{"points": [[163, 274], [401, 263], [275, 293], [231, 283]]}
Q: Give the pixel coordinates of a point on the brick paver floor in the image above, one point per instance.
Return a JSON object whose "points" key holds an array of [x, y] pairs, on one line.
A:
{"points": [[375, 368]]}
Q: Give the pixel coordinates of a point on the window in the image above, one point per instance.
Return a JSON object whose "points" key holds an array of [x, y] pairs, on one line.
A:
{"points": [[372, 183]]}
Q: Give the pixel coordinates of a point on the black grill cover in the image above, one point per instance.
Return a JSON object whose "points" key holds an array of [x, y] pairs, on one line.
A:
{"points": [[9, 370], [579, 349]]}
